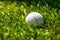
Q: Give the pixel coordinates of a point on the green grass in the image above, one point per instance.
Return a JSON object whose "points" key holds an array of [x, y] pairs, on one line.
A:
{"points": [[14, 27]]}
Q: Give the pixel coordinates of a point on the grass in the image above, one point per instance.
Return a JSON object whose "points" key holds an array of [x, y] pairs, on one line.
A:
{"points": [[14, 27]]}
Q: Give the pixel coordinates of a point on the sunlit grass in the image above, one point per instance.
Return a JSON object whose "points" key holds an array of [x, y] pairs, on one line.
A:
{"points": [[14, 27]]}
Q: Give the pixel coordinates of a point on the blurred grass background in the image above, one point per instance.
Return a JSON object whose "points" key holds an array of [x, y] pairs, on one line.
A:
{"points": [[14, 27]]}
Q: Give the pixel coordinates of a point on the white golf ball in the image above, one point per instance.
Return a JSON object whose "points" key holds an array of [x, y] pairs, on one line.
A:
{"points": [[34, 19]]}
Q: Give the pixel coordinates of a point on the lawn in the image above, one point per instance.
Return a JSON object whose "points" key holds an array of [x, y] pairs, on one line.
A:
{"points": [[14, 27]]}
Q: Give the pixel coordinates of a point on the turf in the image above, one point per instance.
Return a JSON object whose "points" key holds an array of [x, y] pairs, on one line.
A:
{"points": [[14, 27]]}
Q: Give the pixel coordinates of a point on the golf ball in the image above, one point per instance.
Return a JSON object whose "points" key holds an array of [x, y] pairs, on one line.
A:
{"points": [[34, 19]]}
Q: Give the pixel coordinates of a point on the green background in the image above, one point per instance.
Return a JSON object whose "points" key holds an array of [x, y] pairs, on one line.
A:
{"points": [[14, 27]]}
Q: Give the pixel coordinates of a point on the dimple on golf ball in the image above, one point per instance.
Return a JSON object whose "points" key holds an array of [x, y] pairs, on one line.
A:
{"points": [[34, 19]]}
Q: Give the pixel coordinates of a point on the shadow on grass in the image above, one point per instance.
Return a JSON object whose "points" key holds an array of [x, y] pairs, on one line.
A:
{"points": [[51, 3]]}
